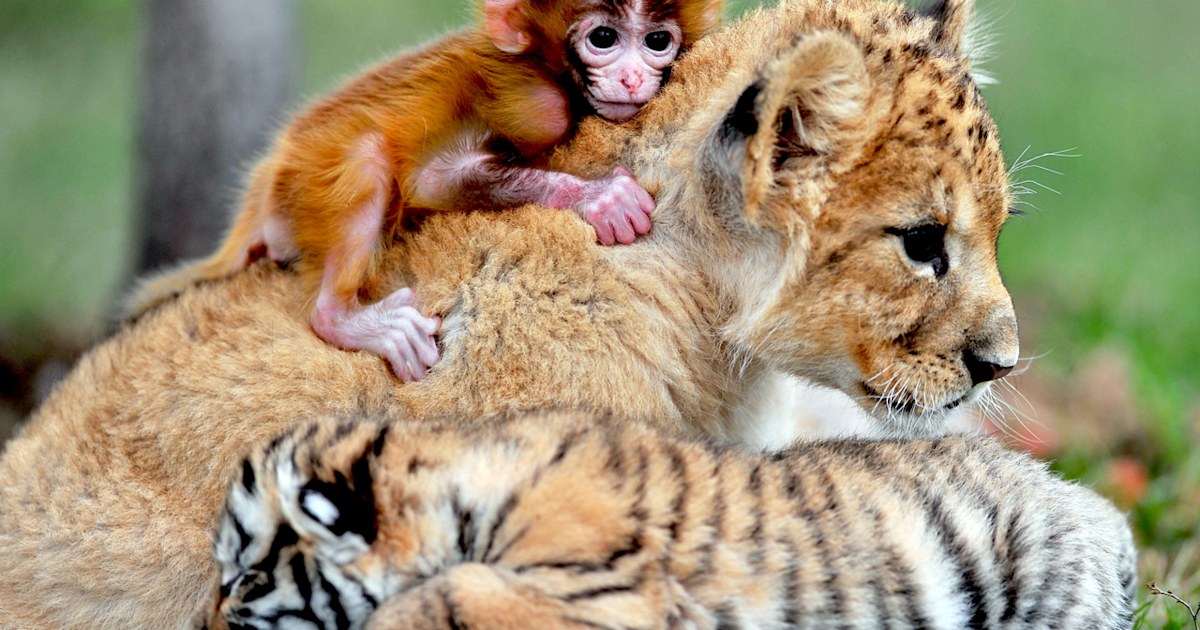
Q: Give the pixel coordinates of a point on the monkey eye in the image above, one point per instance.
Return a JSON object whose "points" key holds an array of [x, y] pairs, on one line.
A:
{"points": [[603, 37], [658, 41]]}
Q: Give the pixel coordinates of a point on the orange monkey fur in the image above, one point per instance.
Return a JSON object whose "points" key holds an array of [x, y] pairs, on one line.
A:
{"points": [[315, 177], [345, 171]]}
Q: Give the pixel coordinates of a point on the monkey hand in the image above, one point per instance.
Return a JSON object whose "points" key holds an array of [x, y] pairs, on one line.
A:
{"points": [[392, 328], [617, 207]]}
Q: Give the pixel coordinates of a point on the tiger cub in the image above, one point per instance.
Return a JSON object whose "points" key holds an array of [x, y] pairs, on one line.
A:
{"points": [[568, 521]]}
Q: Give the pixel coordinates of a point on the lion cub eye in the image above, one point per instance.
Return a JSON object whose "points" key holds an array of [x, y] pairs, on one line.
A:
{"points": [[925, 244]]}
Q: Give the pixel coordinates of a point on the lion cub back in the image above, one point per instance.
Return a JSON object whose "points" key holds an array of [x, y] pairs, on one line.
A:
{"points": [[566, 520]]}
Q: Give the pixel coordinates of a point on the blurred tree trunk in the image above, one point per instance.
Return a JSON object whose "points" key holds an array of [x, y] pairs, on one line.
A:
{"points": [[217, 76]]}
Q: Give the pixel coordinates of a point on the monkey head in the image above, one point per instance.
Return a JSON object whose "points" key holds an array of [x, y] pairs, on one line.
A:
{"points": [[617, 52]]}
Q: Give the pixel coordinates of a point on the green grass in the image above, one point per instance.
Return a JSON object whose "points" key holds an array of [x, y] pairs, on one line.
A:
{"points": [[1118, 249], [1113, 262]]}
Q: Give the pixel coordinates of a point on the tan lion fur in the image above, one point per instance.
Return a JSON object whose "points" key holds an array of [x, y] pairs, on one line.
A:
{"points": [[769, 254]]}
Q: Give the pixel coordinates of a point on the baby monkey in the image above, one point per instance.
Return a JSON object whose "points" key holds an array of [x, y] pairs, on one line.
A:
{"points": [[459, 125]]}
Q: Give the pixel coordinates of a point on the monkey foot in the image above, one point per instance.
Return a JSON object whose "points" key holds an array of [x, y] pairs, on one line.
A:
{"points": [[391, 328], [617, 207]]}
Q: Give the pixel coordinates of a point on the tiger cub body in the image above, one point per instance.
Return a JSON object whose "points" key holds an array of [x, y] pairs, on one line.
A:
{"points": [[561, 520]]}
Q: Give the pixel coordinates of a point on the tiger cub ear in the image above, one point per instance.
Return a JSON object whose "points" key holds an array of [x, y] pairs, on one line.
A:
{"points": [[332, 499], [340, 508]]}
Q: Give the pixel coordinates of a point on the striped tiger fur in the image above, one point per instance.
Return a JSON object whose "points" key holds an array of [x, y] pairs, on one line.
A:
{"points": [[567, 520]]}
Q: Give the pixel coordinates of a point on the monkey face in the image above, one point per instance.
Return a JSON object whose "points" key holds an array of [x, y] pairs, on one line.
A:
{"points": [[619, 60]]}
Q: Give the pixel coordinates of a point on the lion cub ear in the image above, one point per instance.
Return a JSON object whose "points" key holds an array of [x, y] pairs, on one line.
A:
{"points": [[804, 104], [952, 22]]}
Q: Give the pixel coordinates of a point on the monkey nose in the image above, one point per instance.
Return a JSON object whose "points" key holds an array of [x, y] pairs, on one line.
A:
{"points": [[632, 81]]}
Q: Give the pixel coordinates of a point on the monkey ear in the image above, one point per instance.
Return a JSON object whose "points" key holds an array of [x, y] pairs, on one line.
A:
{"points": [[803, 105], [714, 10], [952, 20], [505, 22]]}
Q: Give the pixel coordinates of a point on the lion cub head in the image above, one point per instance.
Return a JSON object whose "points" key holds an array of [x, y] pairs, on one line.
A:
{"points": [[849, 170]]}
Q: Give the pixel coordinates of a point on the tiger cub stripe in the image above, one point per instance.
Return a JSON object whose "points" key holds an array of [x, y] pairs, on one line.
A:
{"points": [[567, 520]]}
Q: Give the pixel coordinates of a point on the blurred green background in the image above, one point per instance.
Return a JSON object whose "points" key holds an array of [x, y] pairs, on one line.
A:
{"points": [[1105, 272]]}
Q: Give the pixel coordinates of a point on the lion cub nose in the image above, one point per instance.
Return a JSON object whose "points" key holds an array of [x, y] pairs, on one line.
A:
{"points": [[983, 371]]}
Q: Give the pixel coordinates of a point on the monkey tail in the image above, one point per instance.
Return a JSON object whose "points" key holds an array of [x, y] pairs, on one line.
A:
{"points": [[245, 241]]}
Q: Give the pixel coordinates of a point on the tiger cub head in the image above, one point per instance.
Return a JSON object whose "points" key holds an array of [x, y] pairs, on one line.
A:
{"points": [[295, 527]]}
